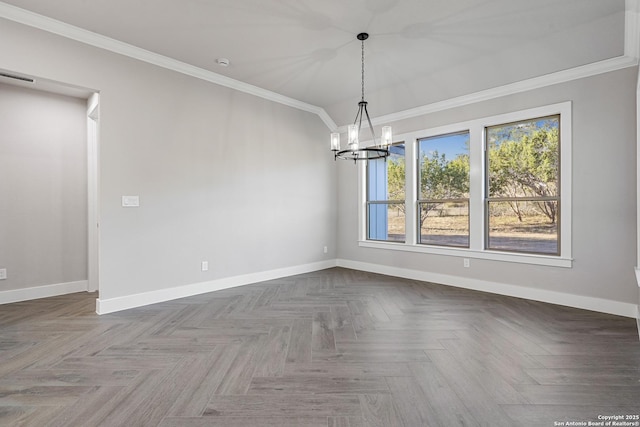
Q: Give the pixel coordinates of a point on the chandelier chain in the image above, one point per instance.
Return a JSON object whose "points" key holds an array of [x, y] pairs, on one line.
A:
{"points": [[362, 70]]}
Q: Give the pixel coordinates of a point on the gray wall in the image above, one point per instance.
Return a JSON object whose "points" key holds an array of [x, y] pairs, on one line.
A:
{"points": [[248, 184], [239, 181], [43, 188], [604, 209]]}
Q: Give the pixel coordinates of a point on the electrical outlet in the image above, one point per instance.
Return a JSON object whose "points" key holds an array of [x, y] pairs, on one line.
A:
{"points": [[130, 201], [466, 263], [205, 265], [325, 250], [3, 273]]}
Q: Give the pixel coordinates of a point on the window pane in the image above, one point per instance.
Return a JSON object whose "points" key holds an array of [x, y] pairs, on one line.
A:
{"points": [[444, 166], [444, 224], [386, 184], [386, 179], [524, 226], [386, 221], [523, 158]]}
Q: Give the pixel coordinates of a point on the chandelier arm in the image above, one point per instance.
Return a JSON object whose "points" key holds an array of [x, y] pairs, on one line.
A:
{"points": [[358, 116], [373, 135]]}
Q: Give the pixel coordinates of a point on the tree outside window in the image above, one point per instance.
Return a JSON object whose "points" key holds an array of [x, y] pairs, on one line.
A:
{"points": [[496, 187], [443, 199], [523, 197]]}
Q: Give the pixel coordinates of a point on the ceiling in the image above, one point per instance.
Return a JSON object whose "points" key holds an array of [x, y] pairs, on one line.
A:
{"points": [[419, 51]]}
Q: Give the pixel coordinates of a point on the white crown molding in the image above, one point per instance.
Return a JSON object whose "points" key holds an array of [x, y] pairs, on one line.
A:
{"points": [[631, 49], [564, 76], [54, 26]]}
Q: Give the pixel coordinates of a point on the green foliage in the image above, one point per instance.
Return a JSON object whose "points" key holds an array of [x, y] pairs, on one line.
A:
{"points": [[439, 178], [444, 179], [525, 166], [523, 162], [396, 178]]}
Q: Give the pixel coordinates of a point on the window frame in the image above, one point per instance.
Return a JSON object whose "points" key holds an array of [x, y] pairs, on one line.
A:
{"points": [[489, 199], [387, 202], [477, 191], [420, 201]]}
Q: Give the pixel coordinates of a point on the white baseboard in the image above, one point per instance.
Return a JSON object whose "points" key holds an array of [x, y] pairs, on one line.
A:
{"points": [[45, 291], [552, 297], [111, 305], [638, 312]]}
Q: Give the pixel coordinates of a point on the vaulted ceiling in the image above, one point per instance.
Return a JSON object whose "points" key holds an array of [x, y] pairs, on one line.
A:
{"points": [[419, 51]]}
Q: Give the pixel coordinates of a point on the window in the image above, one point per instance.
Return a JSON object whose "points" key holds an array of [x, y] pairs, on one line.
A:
{"points": [[494, 188], [443, 190], [523, 201], [386, 196]]}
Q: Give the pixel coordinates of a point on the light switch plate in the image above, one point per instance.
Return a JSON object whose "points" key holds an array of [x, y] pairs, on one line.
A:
{"points": [[3, 273], [130, 201]]}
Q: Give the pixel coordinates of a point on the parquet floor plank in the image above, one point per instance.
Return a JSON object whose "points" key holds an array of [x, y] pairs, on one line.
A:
{"points": [[301, 341], [89, 409], [379, 410], [245, 421], [195, 396], [333, 348], [414, 409], [287, 404], [485, 410]]}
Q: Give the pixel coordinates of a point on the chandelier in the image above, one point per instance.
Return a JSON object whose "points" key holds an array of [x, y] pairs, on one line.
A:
{"points": [[354, 151]]}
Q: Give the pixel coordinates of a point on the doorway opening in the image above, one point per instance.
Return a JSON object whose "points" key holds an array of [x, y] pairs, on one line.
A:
{"points": [[51, 140]]}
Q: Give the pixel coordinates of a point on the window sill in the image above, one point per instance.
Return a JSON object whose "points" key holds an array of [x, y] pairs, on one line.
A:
{"points": [[546, 260]]}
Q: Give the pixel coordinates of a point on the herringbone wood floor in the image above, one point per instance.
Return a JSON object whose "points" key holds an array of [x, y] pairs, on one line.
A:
{"points": [[331, 348]]}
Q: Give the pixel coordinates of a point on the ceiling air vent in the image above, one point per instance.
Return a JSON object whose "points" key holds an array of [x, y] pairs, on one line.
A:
{"points": [[12, 76]]}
